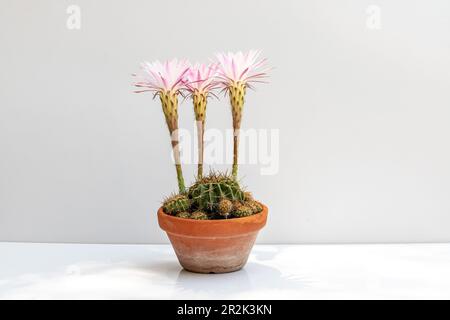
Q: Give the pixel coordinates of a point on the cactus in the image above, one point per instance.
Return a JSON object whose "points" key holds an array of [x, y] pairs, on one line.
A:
{"points": [[215, 196], [224, 207], [176, 204], [199, 215], [253, 205], [206, 193], [248, 196], [240, 209], [183, 214]]}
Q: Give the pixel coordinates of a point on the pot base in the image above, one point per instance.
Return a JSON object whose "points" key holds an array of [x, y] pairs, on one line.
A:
{"points": [[213, 255], [214, 271], [212, 246]]}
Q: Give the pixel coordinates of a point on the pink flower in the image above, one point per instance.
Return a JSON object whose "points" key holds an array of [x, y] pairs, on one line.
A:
{"points": [[160, 77], [200, 78], [245, 68]]}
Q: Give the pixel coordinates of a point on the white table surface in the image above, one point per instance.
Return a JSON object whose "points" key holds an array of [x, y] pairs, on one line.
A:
{"points": [[84, 271]]}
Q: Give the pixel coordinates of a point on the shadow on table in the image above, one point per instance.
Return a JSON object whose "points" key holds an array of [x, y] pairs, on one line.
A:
{"points": [[158, 270], [253, 277]]}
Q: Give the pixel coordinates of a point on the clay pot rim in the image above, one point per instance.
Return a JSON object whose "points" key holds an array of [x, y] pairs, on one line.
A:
{"points": [[249, 218], [220, 228]]}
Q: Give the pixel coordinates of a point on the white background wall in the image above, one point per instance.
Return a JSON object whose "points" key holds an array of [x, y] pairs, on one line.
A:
{"points": [[363, 116]]}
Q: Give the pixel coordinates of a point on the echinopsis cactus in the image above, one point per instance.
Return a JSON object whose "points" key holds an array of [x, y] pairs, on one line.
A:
{"points": [[215, 196], [206, 193]]}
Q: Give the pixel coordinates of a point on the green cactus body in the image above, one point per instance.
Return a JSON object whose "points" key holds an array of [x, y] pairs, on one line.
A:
{"points": [[215, 196], [176, 204], [199, 215], [206, 193]]}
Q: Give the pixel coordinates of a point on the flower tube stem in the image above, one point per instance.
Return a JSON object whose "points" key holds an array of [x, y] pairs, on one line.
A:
{"points": [[237, 93], [200, 137], [169, 101], [199, 100], [176, 155]]}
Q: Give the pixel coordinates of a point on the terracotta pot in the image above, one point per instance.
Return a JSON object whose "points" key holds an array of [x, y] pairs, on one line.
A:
{"points": [[212, 246]]}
